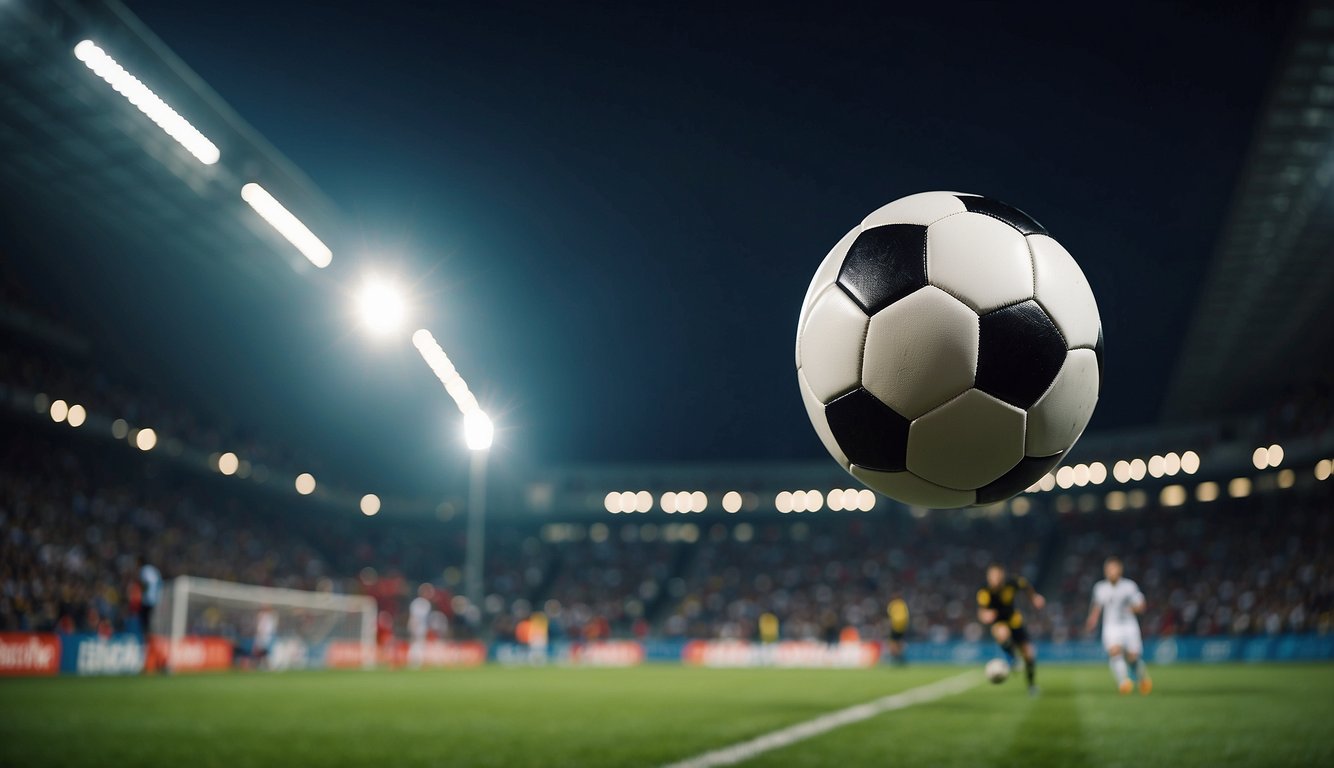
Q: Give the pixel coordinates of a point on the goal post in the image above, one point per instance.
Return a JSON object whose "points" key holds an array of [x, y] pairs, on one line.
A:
{"points": [[276, 627]]}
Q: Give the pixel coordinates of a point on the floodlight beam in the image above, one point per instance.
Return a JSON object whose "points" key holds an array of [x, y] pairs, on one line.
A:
{"points": [[287, 224], [146, 101]]}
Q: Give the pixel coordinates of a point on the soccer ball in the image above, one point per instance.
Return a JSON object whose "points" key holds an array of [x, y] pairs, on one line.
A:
{"points": [[997, 671], [949, 351]]}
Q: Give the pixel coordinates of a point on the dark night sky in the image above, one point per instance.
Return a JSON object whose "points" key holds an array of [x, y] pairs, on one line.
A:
{"points": [[615, 211]]}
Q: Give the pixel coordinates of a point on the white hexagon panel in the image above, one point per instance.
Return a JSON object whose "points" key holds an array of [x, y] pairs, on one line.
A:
{"points": [[830, 351], [921, 351], [1057, 420], [923, 208], [1065, 293], [981, 260], [824, 277], [911, 489], [968, 442]]}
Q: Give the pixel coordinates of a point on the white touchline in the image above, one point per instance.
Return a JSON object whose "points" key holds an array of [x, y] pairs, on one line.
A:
{"points": [[825, 723]]}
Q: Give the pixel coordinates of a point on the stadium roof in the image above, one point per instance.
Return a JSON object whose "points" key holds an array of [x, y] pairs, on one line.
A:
{"points": [[1263, 321], [68, 138]]}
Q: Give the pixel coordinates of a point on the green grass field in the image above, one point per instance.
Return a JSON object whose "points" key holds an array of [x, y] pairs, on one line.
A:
{"points": [[1198, 715]]}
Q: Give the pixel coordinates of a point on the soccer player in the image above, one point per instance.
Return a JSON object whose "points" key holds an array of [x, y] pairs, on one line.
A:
{"points": [[150, 586], [996, 608], [419, 614], [898, 628], [1118, 601], [266, 631]]}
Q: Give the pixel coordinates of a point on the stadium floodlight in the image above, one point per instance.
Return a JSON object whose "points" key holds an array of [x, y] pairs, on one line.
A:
{"points": [[370, 505], [59, 410], [77, 415], [305, 483], [440, 364], [287, 224], [478, 434], [1275, 455], [381, 306], [478, 431], [147, 102], [145, 439]]}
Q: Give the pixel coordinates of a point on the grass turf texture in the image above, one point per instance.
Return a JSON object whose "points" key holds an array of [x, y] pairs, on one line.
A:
{"points": [[1198, 715]]}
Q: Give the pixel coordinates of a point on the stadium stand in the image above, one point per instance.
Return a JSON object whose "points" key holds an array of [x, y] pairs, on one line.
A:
{"points": [[76, 512]]}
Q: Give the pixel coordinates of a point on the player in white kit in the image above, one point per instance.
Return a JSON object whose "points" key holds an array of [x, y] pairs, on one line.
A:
{"points": [[419, 614], [1119, 602]]}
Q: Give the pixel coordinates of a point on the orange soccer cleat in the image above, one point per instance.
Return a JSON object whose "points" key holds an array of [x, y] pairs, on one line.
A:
{"points": [[1145, 686], [1125, 687]]}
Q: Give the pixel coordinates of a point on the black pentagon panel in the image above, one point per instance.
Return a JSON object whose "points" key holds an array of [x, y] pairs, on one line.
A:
{"points": [[1006, 213], [1019, 353], [1097, 351], [871, 434], [1029, 470], [883, 265]]}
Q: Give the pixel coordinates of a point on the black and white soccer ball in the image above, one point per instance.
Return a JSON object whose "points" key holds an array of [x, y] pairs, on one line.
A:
{"points": [[949, 351], [997, 671]]}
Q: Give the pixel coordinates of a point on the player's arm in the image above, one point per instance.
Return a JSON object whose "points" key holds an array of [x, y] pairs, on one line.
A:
{"points": [[1137, 603], [985, 613], [1039, 602], [1095, 613]]}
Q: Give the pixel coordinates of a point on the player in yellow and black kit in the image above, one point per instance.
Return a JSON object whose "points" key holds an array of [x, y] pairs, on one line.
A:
{"points": [[898, 628], [996, 608]]}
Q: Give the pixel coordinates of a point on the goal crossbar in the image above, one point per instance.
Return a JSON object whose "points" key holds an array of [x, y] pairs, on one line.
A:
{"points": [[184, 588]]}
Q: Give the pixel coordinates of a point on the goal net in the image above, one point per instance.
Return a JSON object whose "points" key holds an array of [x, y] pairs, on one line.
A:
{"points": [[266, 627]]}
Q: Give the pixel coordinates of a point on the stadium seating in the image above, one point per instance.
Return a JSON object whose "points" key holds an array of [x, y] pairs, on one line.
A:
{"points": [[76, 512]]}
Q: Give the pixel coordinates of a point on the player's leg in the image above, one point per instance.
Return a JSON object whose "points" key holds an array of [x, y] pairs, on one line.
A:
{"points": [[1004, 638], [1120, 672], [1135, 657], [1114, 640], [1030, 655]]}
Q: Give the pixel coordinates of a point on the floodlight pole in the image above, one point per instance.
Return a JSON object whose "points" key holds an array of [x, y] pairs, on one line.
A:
{"points": [[476, 547]]}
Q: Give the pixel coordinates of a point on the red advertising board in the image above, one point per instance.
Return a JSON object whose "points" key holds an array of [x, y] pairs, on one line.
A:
{"points": [[344, 654], [613, 653], [29, 653], [192, 654], [434, 653]]}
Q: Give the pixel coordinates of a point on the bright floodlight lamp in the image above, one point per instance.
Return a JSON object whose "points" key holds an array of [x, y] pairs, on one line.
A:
{"points": [[146, 101], [381, 306], [478, 431], [287, 224]]}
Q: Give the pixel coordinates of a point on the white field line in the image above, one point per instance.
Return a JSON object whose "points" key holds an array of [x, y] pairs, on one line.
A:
{"points": [[825, 723]]}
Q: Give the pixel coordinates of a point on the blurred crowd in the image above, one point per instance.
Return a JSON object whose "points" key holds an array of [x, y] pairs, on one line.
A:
{"points": [[76, 514], [74, 525], [1264, 564]]}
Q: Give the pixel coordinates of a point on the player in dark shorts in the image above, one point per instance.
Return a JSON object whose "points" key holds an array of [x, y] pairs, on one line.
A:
{"points": [[898, 628], [996, 608]]}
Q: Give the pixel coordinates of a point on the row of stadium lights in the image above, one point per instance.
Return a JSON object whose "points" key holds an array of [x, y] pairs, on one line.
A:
{"points": [[839, 500], [197, 144], [146, 439], [687, 502], [1124, 471], [1174, 495], [380, 303], [1077, 476]]}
